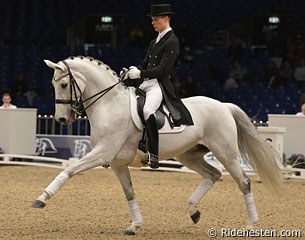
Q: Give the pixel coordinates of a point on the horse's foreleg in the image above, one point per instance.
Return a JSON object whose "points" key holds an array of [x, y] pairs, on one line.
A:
{"points": [[122, 172], [53, 188], [91, 160]]}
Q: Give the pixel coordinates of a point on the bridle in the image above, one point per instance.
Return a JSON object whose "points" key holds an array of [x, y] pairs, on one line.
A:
{"points": [[77, 105]]}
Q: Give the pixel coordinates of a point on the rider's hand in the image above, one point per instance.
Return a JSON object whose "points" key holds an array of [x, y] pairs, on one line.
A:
{"points": [[123, 71], [134, 73]]}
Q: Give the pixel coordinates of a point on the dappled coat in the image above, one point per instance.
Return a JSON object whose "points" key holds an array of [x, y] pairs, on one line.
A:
{"points": [[158, 63]]}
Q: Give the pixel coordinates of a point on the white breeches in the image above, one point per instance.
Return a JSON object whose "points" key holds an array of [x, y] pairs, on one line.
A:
{"points": [[153, 97]]}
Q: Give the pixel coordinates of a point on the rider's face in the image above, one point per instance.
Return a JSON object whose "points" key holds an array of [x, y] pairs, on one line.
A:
{"points": [[160, 23]]}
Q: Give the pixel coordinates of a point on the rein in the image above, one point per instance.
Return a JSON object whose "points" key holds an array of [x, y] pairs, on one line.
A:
{"points": [[77, 105]]}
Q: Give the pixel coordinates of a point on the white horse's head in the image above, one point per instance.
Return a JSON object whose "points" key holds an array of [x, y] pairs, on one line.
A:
{"points": [[69, 86]]}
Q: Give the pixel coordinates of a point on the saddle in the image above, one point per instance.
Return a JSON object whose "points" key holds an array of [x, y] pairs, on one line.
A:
{"points": [[137, 109], [161, 114]]}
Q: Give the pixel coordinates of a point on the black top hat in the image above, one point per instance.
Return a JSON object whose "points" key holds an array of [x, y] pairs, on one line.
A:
{"points": [[160, 10]]}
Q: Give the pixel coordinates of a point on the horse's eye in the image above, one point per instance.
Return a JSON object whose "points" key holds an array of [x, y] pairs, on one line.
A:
{"points": [[64, 85]]}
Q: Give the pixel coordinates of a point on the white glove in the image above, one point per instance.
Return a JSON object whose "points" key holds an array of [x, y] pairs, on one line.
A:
{"points": [[134, 73]]}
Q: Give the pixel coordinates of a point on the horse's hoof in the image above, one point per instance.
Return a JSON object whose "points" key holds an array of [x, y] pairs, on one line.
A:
{"points": [[196, 217], [38, 204], [128, 232]]}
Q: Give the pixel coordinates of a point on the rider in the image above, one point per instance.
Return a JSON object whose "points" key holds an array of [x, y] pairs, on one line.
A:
{"points": [[154, 71]]}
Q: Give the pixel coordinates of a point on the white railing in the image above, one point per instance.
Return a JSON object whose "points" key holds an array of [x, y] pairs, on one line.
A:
{"points": [[39, 161], [47, 125]]}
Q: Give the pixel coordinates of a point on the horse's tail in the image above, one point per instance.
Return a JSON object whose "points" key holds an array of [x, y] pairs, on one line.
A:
{"points": [[254, 149]]}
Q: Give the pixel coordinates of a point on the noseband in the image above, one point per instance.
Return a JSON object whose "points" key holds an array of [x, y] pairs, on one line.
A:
{"points": [[77, 105]]}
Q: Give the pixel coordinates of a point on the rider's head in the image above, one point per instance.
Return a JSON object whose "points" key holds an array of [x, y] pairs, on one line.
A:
{"points": [[160, 16]]}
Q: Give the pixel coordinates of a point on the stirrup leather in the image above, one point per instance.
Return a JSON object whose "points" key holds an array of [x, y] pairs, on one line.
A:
{"points": [[153, 160], [147, 160]]}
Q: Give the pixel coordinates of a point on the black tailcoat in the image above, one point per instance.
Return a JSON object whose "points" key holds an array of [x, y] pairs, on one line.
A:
{"points": [[158, 63]]}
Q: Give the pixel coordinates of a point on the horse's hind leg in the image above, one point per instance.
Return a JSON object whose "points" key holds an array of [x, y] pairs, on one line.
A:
{"points": [[230, 160], [193, 159]]}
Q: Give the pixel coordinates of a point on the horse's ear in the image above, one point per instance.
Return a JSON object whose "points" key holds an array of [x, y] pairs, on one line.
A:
{"points": [[54, 65]]}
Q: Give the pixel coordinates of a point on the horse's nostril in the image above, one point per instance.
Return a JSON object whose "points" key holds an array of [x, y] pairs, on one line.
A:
{"points": [[62, 120]]}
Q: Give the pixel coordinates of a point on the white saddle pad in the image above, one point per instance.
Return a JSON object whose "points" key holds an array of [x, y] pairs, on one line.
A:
{"points": [[137, 121]]}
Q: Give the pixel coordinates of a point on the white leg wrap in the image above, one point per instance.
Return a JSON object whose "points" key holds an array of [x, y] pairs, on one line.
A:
{"points": [[56, 184], [43, 197], [200, 191], [136, 216], [251, 208]]}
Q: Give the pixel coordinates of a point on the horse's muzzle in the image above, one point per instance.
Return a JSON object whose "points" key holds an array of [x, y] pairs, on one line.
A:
{"points": [[63, 120]]}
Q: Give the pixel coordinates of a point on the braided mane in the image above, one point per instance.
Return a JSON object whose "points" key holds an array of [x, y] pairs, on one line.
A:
{"points": [[99, 63]]}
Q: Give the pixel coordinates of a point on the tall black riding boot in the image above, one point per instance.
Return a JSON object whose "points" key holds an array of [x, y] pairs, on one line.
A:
{"points": [[153, 141]]}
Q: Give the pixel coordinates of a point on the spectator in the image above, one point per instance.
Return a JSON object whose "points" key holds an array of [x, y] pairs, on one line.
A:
{"points": [[235, 49], [6, 99], [290, 50], [213, 71], [302, 94], [275, 43], [299, 73], [299, 76], [284, 77], [30, 95], [189, 88], [19, 85], [300, 44], [302, 113], [238, 72], [236, 76], [177, 82], [271, 72]]}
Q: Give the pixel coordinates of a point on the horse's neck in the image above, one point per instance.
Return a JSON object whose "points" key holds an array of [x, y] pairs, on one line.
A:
{"points": [[98, 80]]}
